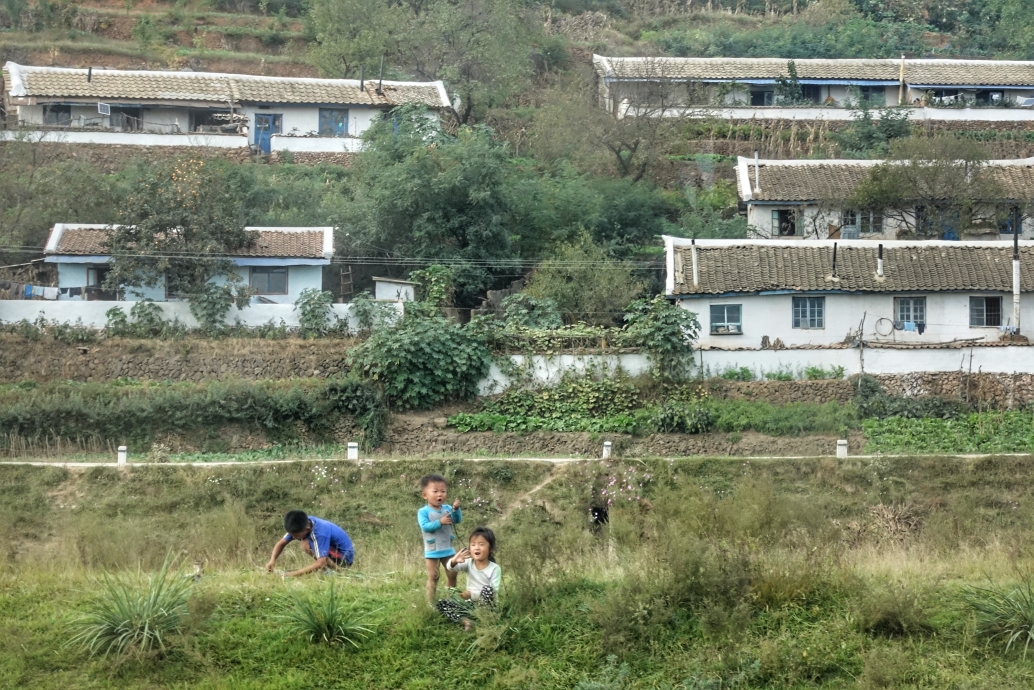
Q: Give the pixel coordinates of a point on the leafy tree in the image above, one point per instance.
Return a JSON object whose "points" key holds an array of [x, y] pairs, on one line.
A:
{"points": [[929, 186], [868, 136], [667, 332], [712, 213], [421, 192], [178, 225], [585, 284], [528, 312], [343, 44]]}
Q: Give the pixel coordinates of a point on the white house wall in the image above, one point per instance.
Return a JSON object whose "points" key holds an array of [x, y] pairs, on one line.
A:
{"points": [[814, 223], [301, 120], [947, 319]]}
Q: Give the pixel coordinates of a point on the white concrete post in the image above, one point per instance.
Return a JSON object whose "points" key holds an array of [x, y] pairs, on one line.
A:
{"points": [[841, 449], [123, 454], [606, 449], [353, 451]]}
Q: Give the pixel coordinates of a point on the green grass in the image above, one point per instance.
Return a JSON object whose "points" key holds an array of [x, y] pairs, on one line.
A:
{"points": [[709, 573], [977, 432]]}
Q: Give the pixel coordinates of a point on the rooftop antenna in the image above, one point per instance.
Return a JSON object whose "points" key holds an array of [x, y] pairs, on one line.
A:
{"points": [[380, 80], [362, 76]]}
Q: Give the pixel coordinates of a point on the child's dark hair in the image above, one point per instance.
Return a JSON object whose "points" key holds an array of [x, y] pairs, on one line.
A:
{"points": [[296, 521], [432, 479], [489, 536]]}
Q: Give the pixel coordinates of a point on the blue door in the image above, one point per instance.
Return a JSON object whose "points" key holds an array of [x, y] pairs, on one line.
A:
{"points": [[266, 125]]}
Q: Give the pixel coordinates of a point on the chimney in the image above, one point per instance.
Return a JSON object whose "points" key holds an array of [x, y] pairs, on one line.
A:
{"points": [[1016, 279], [757, 178], [380, 80], [362, 77], [89, 74], [901, 82], [879, 262], [696, 272], [834, 274]]}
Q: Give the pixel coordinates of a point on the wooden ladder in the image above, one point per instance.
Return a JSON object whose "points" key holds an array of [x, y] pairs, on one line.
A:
{"points": [[345, 290]]}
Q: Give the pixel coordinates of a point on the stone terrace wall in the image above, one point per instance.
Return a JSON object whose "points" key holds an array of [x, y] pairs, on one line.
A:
{"points": [[176, 360], [997, 391]]}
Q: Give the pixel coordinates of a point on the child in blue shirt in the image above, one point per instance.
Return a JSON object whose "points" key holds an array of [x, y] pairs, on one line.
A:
{"points": [[436, 521], [327, 543]]}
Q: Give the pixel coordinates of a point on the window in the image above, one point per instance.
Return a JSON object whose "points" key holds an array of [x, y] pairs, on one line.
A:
{"points": [[985, 311], [126, 119], [784, 223], [871, 222], [812, 92], [849, 218], [910, 309], [57, 115], [726, 319], [990, 97], [95, 277], [872, 94], [762, 97], [269, 280], [333, 122], [1010, 221], [809, 312]]}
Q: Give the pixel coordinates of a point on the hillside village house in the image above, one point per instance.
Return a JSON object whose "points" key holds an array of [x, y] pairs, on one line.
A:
{"points": [[765, 294], [805, 199], [154, 108], [746, 88], [278, 266]]}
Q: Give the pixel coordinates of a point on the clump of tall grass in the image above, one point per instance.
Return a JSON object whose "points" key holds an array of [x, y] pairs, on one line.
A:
{"points": [[324, 618], [1005, 614], [125, 618]]}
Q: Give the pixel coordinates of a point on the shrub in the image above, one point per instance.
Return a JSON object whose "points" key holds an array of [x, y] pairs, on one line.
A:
{"points": [[819, 373], [737, 374], [370, 314], [597, 394], [437, 284], [323, 617], [666, 332], [423, 362], [529, 312], [315, 311], [873, 402], [124, 619], [674, 417], [1005, 614], [893, 611]]}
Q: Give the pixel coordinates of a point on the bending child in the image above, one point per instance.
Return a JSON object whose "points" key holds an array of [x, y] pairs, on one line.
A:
{"points": [[436, 521], [483, 577], [327, 543]]}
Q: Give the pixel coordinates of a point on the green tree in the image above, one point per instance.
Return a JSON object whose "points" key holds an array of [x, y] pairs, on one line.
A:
{"points": [[585, 284], [177, 226], [930, 186], [422, 193], [343, 43]]}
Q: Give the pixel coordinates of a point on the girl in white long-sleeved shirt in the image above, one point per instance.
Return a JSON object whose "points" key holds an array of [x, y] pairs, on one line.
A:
{"points": [[483, 577]]}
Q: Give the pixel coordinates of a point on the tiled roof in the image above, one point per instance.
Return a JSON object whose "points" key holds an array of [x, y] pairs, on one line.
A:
{"points": [[804, 266], [918, 72], [795, 181], [56, 82], [307, 243]]}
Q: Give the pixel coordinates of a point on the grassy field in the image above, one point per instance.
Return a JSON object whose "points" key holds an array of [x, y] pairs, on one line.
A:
{"points": [[708, 573]]}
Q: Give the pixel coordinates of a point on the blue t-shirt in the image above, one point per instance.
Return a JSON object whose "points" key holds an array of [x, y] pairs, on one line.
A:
{"points": [[327, 539], [437, 537]]}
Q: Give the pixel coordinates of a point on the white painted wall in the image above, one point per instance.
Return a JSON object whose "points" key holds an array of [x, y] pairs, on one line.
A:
{"points": [[814, 223], [392, 291], [316, 144], [92, 314], [549, 369], [228, 141], [304, 119], [298, 278], [947, 319], [917, 114]]}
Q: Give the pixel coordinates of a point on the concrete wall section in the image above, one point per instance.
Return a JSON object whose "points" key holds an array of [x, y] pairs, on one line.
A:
{"points": [[92, 314], [316, 144], [136, 138], [549, 370]]}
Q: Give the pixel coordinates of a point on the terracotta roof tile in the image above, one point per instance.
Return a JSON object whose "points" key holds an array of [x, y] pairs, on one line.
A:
{"points": [[306, 244], [56, 82], [917, 72], [764, 267]]}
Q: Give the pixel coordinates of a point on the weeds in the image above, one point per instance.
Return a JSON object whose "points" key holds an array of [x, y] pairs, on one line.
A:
{"points": [[1005, 614], [124, 619], [323, 618]]}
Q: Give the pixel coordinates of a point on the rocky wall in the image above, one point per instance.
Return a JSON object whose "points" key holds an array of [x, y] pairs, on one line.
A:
{"points": [[176, 360], [993, 391]]}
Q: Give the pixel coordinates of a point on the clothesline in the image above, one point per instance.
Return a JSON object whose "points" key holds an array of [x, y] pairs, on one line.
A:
{"points": [[13, 290]]}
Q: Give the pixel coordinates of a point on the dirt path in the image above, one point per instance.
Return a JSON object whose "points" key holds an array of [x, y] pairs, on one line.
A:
{"points": [[554, 472]]}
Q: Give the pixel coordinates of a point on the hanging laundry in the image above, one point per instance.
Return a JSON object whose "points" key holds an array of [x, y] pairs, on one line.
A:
{"points": [[910, 326], [27, 292], [5, 285], [75, 292], [50, 293], [920, 327], [37, 290], [898, 325]]}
